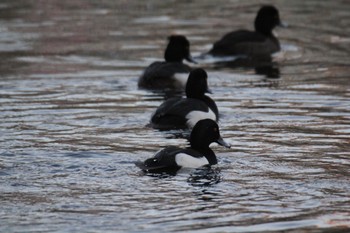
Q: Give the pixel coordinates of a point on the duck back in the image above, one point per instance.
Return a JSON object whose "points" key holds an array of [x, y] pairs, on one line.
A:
{"points": [[162, 75], [244, 42], [179, 113]]}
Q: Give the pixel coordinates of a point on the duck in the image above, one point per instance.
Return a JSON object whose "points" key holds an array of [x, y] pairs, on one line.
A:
{"points": [[260, 42], [181, 113], [171, 73], [198, 154]]}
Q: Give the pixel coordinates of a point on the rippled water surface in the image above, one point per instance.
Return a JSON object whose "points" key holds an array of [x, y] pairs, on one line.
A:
{"points": [[73, 121]]}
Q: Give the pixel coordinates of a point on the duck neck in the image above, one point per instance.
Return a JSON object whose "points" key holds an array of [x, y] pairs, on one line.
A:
{"points": [[263, 28], [172, 55], [265, 32], [208, 154], [195, 95], [211, 104], [207, 100]]}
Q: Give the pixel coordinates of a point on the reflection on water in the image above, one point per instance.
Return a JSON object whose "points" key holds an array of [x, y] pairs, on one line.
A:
{"points": [[73, 121], [262, 66]]}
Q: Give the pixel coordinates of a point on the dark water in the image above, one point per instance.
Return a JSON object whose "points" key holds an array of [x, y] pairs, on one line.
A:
{"points": [[73, 121]]}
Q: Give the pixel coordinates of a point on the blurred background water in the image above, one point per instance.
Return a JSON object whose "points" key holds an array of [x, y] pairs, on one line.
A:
{"points": [[73, 122]]}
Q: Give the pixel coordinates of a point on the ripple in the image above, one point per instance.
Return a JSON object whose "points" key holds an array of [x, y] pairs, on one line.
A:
{"points": [[73, 121]]}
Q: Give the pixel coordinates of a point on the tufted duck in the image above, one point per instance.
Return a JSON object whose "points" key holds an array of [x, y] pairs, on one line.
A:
{"points": [[172, 158], [176, 113], [171, 74]]}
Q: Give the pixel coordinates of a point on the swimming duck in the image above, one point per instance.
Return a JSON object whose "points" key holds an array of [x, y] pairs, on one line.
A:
{"points": [[252, 43], [176, 113], [172, 158], [171, 73]]}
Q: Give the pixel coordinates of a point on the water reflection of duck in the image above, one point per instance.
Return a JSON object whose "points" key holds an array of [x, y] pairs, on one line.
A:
{"points": [[177, 113], [260, 42], [262, 66], [205, 176], [172, 158], [171, 73]]}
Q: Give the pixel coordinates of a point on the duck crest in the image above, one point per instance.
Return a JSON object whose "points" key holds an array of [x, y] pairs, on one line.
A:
{"points": [[197, 84], [266, 20], [177, 49]]}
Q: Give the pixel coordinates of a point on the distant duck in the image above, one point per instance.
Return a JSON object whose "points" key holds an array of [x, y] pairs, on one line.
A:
{"points": [[172, 158], [177, 113], [172, 73], [260, 42]]}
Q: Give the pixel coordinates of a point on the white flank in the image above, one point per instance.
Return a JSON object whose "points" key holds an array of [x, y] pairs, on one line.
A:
{"points": [[185, 160], [181, 78], [194, 116]]}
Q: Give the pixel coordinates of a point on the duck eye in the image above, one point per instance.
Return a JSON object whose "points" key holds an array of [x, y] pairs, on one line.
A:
{"points": [[215, 129]]}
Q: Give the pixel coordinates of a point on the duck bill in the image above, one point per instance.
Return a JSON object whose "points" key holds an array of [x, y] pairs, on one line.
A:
{"points": [[209, 91], [222, 142], [189, 58]]}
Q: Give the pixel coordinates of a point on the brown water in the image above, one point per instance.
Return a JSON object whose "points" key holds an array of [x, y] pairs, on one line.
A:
{"points": [[73, 121]]}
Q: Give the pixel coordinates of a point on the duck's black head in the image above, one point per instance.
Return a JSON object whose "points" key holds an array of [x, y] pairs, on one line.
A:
{"points": [[197, 84], [204, 133], [267, 19], [178, 49]]}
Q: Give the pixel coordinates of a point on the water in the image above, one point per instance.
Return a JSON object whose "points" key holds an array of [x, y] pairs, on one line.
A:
{"points": [[73, 121]]}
